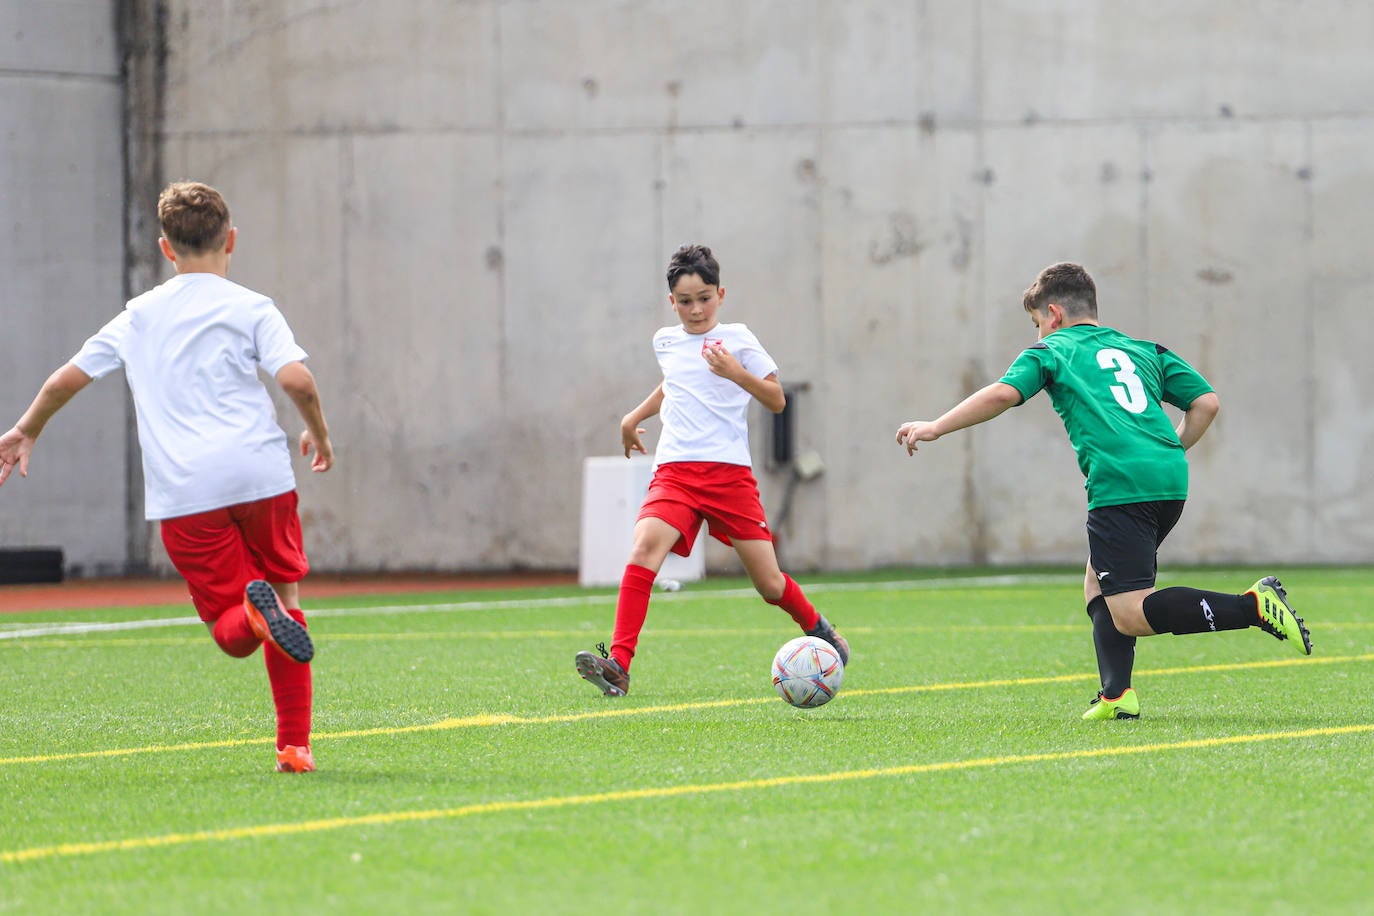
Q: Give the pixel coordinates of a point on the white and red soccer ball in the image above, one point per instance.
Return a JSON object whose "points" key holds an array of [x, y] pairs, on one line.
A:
{"points": [[807, 672]]}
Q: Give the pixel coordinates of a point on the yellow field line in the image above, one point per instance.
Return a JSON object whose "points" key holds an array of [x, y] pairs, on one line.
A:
{"points": [[492, 719], [1065, 678], [565, 801], [89, 641]]}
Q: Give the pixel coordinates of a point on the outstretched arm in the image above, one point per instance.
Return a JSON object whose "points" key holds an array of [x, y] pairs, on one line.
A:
{"points": [[1197, 418], [299, 384], [979, 407], [17, 444], [630, 430]]}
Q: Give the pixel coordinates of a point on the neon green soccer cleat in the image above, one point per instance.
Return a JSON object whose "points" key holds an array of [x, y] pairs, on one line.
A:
{"points": [[1126, 706], [1276, 617]]}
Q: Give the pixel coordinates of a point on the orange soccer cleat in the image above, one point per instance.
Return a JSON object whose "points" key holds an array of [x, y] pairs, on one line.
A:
{"points": [[293, 759]]}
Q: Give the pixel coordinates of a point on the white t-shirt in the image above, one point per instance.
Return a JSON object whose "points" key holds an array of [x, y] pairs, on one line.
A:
{"points": [[705, 417], [190, 350]]}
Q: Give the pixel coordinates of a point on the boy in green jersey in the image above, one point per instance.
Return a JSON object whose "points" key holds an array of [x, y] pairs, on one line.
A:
{"points": [[1108, 389]]}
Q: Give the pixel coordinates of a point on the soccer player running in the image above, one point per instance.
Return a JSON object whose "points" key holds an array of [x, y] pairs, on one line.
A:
{"points": [[1108, 389], [711, 373], [216, 466]]}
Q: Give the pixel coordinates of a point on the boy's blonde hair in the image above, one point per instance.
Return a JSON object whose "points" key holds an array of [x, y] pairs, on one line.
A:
{"points": [[194, 217]]}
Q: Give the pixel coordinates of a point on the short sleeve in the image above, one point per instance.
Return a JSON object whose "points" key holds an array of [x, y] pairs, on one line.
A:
{"points": [[99, 356], [276, 345], [1030, 371], [753, 356], [1182, 383]]}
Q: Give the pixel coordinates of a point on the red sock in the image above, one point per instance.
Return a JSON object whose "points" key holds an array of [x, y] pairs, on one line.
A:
{"points": [[233, 634], [291, 692], [794, 602], [631, 607]]}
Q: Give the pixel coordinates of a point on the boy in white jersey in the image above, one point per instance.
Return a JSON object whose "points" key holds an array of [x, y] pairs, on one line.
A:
{"points": [[711, 373], [216, 466]]}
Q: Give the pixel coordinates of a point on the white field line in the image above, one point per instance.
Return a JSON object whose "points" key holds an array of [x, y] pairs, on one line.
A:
{"points": [[69, 629], [23, 631]]}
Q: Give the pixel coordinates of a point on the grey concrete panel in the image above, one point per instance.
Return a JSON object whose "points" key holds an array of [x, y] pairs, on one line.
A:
{"points": [[421, 369], [292, 234], [901, 340], [880, 179], [1341, 374], [61, 262], [608, 63], [61, 169], [611, 64], [1229, 223], [948, 38], [65, 39], [1054, 193], [292, 246], [755, 199], [403, 327], [582, 299], [1063, 193], [312, 67], [1063, 59]]}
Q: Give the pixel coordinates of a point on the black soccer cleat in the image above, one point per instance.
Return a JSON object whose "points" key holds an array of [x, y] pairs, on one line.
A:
{"points": [[603, 671], [826, 631]]}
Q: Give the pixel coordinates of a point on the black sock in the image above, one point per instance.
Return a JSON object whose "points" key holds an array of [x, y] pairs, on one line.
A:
{"points": [[1181, 610], [1115, 651]]}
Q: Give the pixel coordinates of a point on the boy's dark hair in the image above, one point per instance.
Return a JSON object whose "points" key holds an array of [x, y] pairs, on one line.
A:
{"points": [[194, 217], [1066, 285], [694, 259]]}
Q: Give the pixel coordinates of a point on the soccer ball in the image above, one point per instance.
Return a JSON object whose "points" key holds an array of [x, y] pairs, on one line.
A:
{"points": [[807, 672]]}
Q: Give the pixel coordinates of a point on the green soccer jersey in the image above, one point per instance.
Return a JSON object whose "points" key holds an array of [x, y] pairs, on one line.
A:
{"points": [[1108, 389]]}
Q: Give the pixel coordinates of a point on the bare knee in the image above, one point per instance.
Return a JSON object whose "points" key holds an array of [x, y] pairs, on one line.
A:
{"points": [[1129, 617], [771, 586], [653, 540], [646, 556]]}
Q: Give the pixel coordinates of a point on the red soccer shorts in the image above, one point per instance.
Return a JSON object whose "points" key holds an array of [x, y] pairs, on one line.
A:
{"points": [[726, 496], [219, 552]]}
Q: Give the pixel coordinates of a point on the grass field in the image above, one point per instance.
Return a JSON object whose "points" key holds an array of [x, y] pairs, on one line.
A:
{"points": [[464, 768]]}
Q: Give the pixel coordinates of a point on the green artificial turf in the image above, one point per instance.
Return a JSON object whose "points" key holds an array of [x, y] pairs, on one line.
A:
{"points": [[464, 767]]}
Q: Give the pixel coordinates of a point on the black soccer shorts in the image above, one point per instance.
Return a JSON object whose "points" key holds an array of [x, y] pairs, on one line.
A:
{"points": [[1123, 542]]}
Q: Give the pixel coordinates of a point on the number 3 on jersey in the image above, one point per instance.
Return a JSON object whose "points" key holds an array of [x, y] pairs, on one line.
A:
{"points": [[1130, 394]]}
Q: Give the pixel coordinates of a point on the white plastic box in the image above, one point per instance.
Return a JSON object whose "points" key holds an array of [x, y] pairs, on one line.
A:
{"points": [[613, 489]]}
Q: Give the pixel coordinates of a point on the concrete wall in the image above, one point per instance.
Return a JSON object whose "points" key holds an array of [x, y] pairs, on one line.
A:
{"points": [[62, 271], [465, 206]]}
